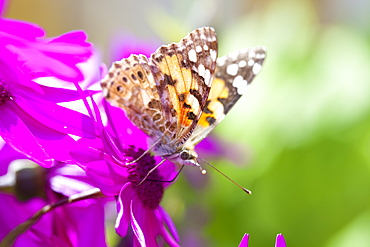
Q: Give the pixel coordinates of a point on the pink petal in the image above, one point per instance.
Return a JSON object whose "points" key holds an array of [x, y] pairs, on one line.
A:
{"points": [[136, 228], [81, 223], [12, 74], [7, 155], [171, 226], [58, 95], [18, 136], [83, 155], [244, 242], [124, 208], [12, 213], [57, 117], [280, 241], [37, 141], [107, 177], [76, 40], [68, 179], [20, 29], [40, 65], [123, 128], [3, 4]]}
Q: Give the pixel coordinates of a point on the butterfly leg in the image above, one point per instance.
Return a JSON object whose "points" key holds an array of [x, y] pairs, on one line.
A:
{"points": [[169, 181], [182, 166], [151, 170], [144, 153]]}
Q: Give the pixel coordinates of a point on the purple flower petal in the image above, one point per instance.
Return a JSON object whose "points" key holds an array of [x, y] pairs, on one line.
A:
{"points": [[244, 242], [40, 65], [7, 155], [17, 29], [13, 213], [92, 225], [54, 57], [11, 73], [123, 209], [280, 241], [32, 138], [125, 131], [136, 228], [168, 170], [84, 220], [171, 226], [57, 117], [3, 4], [58, 95], [16, 133], [71, 225], [72, 175], [107, 177]]}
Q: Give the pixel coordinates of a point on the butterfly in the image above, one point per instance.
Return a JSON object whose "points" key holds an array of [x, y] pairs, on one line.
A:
{"points": [[182, 92]]}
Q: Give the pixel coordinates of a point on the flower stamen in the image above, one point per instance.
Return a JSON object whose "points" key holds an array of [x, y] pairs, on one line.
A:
{"points": [[5, 95], [149, 192]]}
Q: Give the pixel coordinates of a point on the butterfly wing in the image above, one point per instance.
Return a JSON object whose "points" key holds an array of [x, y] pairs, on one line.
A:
{"points": [[184, 79], [234, 72], [130, 85], [164, 96]]}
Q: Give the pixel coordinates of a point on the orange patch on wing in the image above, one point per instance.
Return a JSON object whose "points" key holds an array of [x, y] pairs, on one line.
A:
{"points": [[215, 109], [173, 97], [218, 90]]}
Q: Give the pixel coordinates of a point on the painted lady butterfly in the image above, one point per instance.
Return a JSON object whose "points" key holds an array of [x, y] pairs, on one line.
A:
{"points": [[182, 92]]}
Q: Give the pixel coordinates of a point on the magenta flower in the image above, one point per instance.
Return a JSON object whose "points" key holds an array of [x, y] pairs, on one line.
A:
{"points": [[70, 225], [280, 241], [137, 205], [3, 4], [31, 119]]}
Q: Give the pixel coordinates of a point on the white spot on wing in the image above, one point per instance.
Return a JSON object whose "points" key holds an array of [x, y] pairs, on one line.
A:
{"points": [[192, 55], [205, 47], [250, 62], [256, 68], [198, 48], [213, 54], [232, 69], [207, 78], [221, 61], [240, 84], [242, 63], [194, 101], [260, 55], [201, 70]]}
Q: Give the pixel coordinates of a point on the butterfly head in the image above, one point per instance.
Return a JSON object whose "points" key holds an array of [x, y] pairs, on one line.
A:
{"points": [[184, 157]]}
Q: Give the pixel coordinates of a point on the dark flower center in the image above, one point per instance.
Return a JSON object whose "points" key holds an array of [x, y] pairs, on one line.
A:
{"points": [[5, 95], [151, 190]]}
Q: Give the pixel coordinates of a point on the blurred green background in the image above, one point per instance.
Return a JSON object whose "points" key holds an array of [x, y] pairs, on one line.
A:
{"points": [[300, 138]]}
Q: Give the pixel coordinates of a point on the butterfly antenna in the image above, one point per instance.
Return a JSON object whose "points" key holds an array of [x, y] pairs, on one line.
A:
{"points": [[150, 171], [223, 174]]}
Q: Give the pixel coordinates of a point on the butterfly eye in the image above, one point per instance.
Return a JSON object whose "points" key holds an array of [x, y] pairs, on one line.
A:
{"points": [[185, 155]]}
